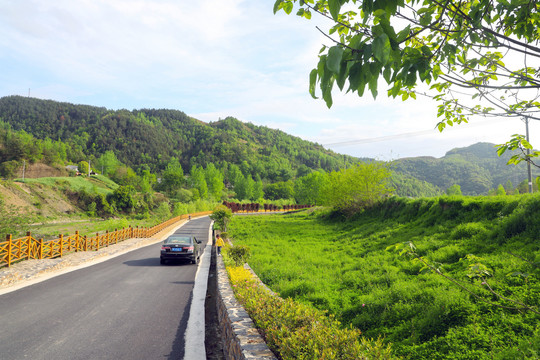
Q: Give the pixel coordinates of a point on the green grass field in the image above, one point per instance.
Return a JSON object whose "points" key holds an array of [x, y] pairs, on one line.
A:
{"points": [[345, 267], [94, 184]]}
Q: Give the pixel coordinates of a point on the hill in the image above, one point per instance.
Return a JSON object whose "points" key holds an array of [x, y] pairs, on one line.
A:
{"points": [[147, 140], [150, 137], [476, 168]]}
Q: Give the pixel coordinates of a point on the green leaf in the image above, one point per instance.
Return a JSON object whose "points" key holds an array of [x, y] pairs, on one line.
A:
{"points": [[403, 34], [373, 87], [327, 82], [379, 13], [355, 76], [334, 6], [277, 6], [327, 96], [342, 76], [313, 83], [288, 7], [381, 48], [333, 61], [387, 74]]}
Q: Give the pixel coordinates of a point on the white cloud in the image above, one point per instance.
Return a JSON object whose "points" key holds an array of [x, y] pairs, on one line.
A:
{"points": [[208, 58]]}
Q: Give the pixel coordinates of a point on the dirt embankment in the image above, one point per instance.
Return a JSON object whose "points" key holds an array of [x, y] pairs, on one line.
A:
{"points": [[38, 170], [35, 199]]}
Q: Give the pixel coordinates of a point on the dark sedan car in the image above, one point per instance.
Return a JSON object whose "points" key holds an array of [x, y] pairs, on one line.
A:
{"points": [[180, 247]]}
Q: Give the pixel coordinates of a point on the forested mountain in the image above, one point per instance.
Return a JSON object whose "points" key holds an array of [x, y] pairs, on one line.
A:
{"points": [[152, 137], [148, 140], [476, 169]]}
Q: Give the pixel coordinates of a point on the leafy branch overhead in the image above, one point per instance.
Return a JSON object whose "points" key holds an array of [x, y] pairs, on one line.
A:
{"points": [[483, 49]]}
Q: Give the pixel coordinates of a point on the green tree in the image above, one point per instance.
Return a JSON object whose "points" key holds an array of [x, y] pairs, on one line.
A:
{"points": [[244, 188], [234, 174], [500, 190], [125, 175], [107, 163], [221, 216], [214, 179], [353, 189], [258, 189], [83, 167], [478, 51], [198, 181], [279, 190], [509, 187], [122, 198], [173, 176], [147, 180], [308, 189], [454, 190]]}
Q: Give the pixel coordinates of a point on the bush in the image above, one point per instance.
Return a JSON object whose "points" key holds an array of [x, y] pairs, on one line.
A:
{"points": [[466, 231], [297, 331], [239, 254], [221, 216], [122, 198]]}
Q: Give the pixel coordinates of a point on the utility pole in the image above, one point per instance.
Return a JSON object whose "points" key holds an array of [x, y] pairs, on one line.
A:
{"points": [[23, 169], [529, 171]]}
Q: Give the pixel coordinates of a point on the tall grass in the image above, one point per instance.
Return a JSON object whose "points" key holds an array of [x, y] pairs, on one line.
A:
{"points": [[343, 266], [95, 184]]}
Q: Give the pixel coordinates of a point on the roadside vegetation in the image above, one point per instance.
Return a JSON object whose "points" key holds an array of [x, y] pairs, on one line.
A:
{"points": [[437, 278]]}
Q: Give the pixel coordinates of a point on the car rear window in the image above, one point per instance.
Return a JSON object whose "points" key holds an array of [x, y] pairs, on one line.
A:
{"points": [[178, 240]]}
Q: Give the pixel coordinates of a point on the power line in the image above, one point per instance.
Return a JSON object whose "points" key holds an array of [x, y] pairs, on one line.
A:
{"points": [[410, 134], [381, 138]]}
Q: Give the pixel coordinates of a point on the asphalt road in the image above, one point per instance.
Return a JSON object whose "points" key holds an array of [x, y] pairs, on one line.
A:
{"points": [[128, 307]]}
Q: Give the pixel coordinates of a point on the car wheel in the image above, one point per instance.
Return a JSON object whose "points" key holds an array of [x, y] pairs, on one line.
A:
{"points": [[194, 261], [162, 261]]}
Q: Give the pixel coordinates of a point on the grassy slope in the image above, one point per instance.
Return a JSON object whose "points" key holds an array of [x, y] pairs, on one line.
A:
{"points": [[37, 208], [344, 267], [94, 184]]}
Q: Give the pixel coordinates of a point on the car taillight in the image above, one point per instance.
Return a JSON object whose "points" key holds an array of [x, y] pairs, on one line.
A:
{"points": [[188, 248], [166, 248]]}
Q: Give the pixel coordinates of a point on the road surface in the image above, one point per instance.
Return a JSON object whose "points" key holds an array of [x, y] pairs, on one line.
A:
{"points": [[128, 307]]}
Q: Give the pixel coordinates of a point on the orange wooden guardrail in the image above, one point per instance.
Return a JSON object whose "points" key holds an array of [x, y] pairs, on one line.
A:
{"points": [[26, 248]]}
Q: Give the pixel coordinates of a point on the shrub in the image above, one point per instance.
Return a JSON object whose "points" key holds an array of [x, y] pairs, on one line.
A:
{"points": [[239, 254], [297, 331], [465, 231], [221, 216], [122, 197]]}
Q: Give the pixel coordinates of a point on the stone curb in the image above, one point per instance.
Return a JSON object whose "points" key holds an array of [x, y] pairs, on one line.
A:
{"points": [[241, 340]]}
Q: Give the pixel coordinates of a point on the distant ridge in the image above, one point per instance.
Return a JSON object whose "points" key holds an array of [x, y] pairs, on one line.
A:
{"points": [[149, 138]]}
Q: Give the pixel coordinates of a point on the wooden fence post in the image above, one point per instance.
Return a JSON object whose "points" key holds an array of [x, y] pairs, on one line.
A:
{"points": [[97, 240], [61, 244], [28, 249], [107, 236], [76, 240], [40, 241], [85, 243], [8, 238], [116, 236]]}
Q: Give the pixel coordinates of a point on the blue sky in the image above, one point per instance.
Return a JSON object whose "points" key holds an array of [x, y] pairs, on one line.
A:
{"points": [[212, 59]]}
